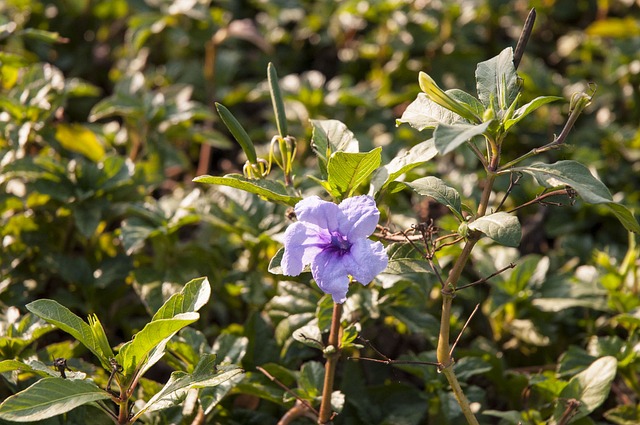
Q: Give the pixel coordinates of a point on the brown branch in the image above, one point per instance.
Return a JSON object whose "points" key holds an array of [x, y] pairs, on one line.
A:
{"points": [[462, 331], [286, 389], [485, 279]]}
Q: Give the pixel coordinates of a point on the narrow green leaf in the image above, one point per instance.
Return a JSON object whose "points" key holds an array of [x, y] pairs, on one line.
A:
{"points": [[449, 137], [238, 132], [193, 296], [99, 335], [502, 227], [269, 190], [42, 35], [62, 317], [497, 78], [133, 354], [625, 216], [402, 163], [276, 100], [525, 110], [50, 397], [590, 387], [435, 93], [438, 190], [175, 390], [347, 171]]}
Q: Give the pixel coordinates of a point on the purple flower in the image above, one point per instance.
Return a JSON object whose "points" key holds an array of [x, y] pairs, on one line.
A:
{"points": [[333, 239]]}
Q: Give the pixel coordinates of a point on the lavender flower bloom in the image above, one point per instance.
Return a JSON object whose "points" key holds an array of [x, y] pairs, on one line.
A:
{"points": [[333, 239]]}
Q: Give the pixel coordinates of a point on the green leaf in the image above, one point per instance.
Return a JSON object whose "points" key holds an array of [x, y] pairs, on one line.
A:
{"points": [[275, 265], [579, 178], [624, 415], [175, 390], [78, 138], [133, 354], [62, 317], [50, 397], [238, 132], [310, 336], [449, 137], [42, 35], [331, 136], [625, 216], [424, 113], [117, 105], [311, 379], [402, 266], [402, 163], [570, 173], [438, 190], [502, 227], [590, 387], [267, 189], [525, 110], [99, 335], [11, 365], [276, 100], [444, 99], [497, 79], [347, 171], [193, 296]]}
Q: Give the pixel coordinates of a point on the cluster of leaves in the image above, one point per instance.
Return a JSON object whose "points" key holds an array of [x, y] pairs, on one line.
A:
{"points": [[99, 213]]}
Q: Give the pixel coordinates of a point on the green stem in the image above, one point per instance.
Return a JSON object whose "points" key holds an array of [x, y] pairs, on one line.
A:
{"points": [[448, 291], [330, 366], [459, 394]]}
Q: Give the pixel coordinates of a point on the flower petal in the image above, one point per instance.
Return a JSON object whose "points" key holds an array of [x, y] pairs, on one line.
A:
{"points": [[302, 242], [362, 217], [330, 274], [365, 260], [316, 211]]}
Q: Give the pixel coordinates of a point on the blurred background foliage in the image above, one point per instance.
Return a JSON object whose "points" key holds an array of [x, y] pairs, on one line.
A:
{"points": [[106, 114]]}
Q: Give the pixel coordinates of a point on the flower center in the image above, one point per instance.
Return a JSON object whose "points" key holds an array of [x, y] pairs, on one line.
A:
{"points": [[340, 244]]}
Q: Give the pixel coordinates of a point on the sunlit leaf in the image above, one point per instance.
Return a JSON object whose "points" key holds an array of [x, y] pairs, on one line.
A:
{"points": [[62, 317], [78, 138], [193, 296], [269, 190], [347, 171], [175, 390], [50, 397], [133, 354], [497, 79], [590, 387]]}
